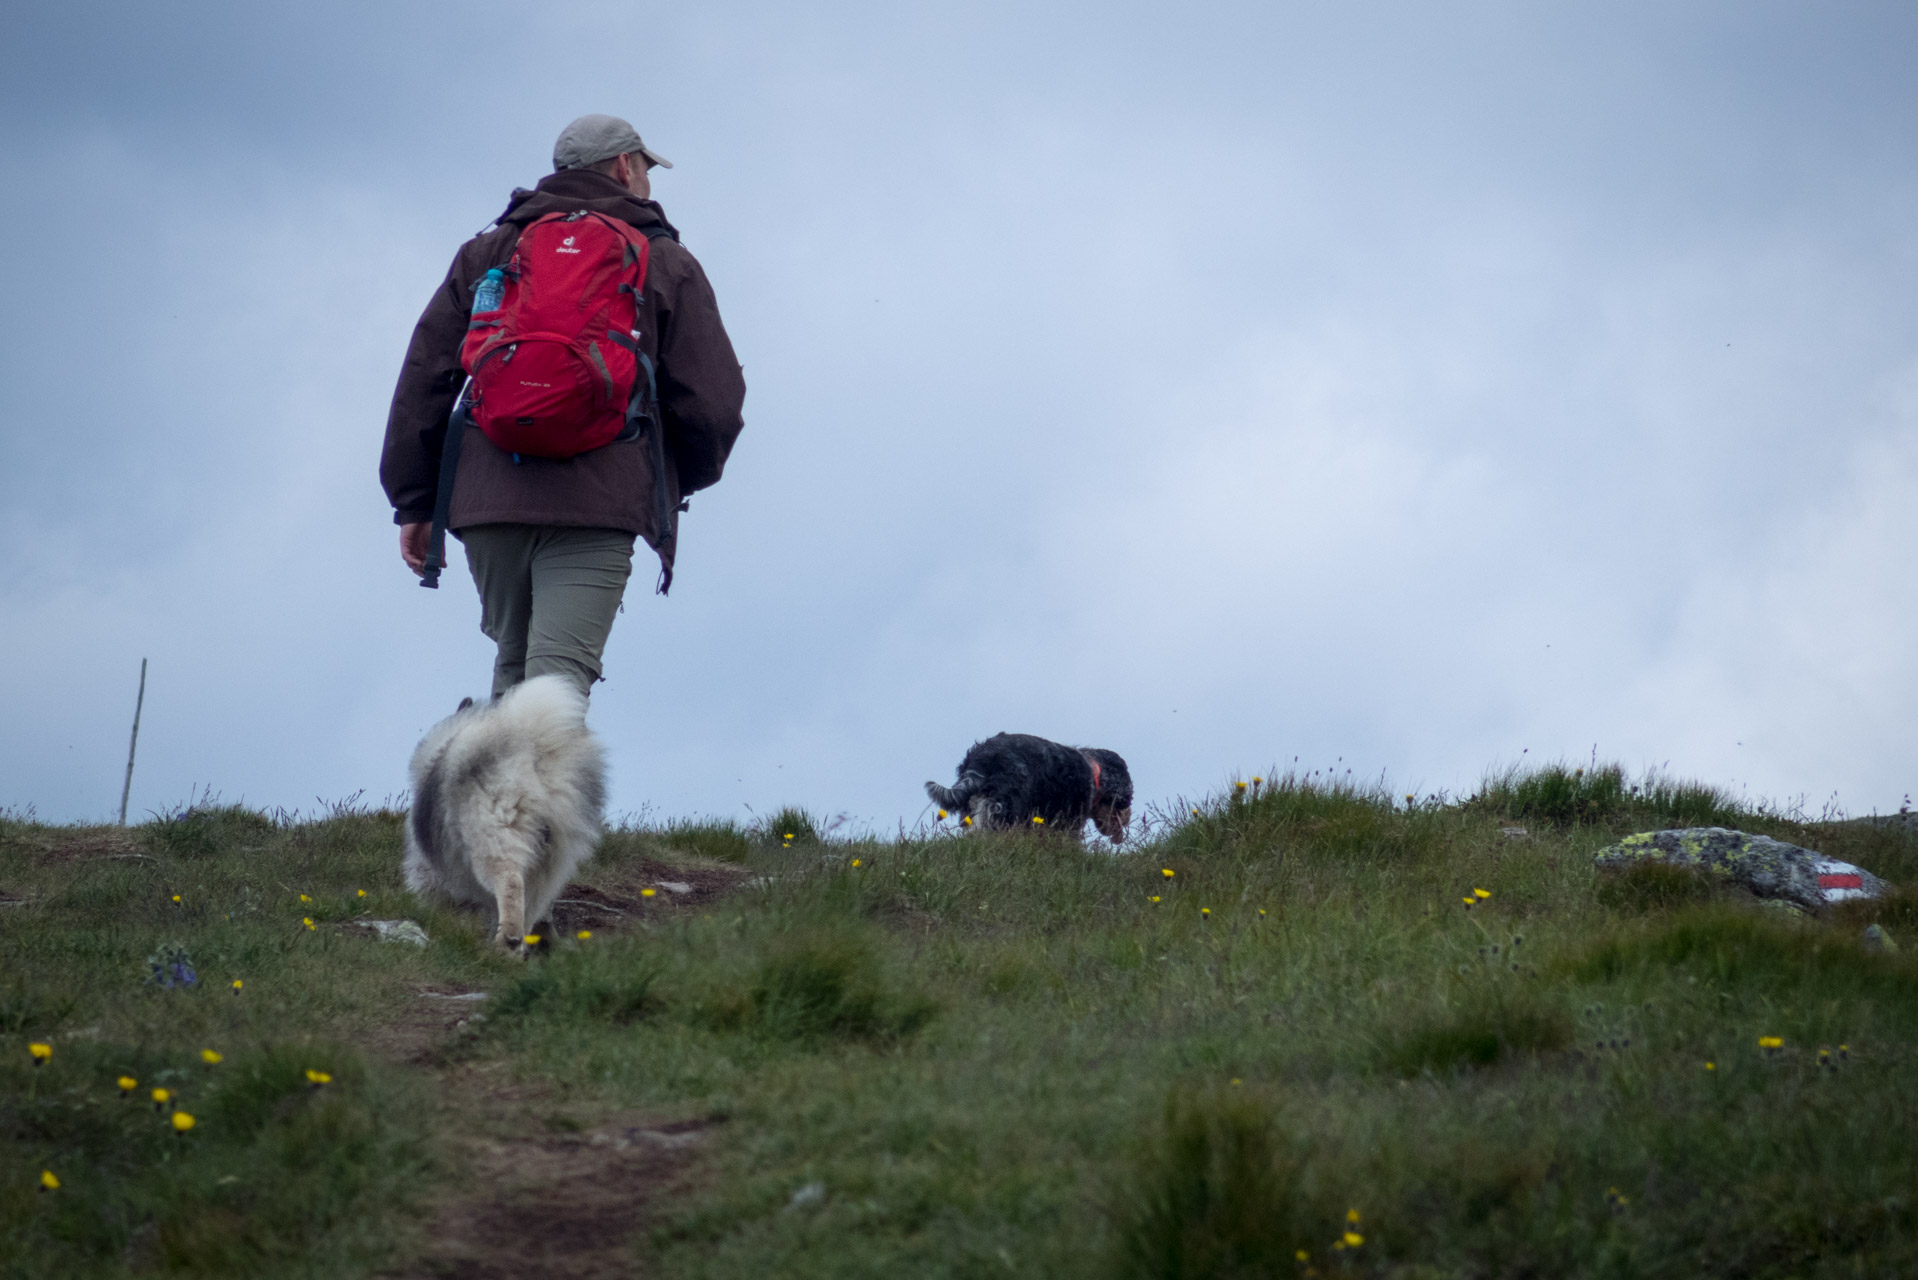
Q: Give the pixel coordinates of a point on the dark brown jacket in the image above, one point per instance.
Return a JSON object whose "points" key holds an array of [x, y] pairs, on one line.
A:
{"points": [[701, 389]]}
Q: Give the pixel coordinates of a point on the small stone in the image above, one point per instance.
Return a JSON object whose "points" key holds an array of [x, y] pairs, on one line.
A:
{"points": [[407, 931], [674, 886], [807, 1197], [1878, 939], [677, 1141]]}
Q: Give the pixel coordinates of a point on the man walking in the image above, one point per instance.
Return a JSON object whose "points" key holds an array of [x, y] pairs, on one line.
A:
{"points": [[550, 539]]}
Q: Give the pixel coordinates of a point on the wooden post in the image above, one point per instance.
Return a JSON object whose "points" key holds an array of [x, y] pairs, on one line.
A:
{"points": [[127, 789]]}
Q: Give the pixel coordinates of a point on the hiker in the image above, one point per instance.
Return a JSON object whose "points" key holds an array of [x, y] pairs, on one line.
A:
{"points": [[565, 448]]}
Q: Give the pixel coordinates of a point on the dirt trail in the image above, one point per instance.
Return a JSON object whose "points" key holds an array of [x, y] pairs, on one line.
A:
{"points": [[530, 1188], [523, 1201]]}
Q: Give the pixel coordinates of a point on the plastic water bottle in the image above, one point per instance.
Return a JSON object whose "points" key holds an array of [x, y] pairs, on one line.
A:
{"points": [[491, 291]]}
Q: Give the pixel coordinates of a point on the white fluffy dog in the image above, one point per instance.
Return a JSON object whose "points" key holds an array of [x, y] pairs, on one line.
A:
{"points": [[508, 798]]}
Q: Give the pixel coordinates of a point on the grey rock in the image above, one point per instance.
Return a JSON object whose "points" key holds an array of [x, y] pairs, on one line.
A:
{"points": [[1768, 868], [674, 886], [395, 930], [1878, 938]]}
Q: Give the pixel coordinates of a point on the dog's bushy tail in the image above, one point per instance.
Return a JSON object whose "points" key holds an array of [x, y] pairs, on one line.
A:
{"points": [[955, 799]]}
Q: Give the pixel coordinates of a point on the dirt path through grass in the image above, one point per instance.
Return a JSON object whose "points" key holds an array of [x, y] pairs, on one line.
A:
{"points": [[531, 1185]]}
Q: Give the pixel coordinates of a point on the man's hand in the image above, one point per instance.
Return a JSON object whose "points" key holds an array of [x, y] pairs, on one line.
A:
{"points": [[413, 542]]}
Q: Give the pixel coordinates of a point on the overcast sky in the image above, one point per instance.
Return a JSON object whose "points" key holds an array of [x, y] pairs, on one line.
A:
{"points": [[1415, 387]]}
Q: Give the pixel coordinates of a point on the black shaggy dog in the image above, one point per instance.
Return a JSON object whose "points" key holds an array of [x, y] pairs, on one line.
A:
{"points": [[1012, 778]]}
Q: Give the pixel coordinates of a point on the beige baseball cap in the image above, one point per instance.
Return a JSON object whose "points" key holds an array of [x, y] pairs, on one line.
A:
{"points": [[591, 139]]}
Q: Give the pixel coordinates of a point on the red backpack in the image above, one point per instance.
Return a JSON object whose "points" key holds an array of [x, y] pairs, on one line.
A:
{"points": [[556, 369]]}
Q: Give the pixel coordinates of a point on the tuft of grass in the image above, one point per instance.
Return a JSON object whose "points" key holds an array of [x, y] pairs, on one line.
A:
{"points": [[720, 841], [1216, 1195], [612, 982], [822, 984], [1645, 886], [791, 825], [1602, 796], [1479, 1032], [1897, 911], [1336, 817], [1743, 948], [207, 831], [33, 1010]]}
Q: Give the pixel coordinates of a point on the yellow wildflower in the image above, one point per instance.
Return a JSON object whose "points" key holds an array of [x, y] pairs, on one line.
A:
{"points": [[1195, 813], [942, 815], [1481, 893], [47, 1181], [1352, 1216], [966, 821], [1302, 1255], [857, 862], [176, 897], [161, 1097], [648, 893], [1238, 786], [789, 835], [212, 1057], [531, 939], [1256, 779], [1237, 1081], [1154, 898], [1470, 901], [237, 984], [41, 1051], [1205, 911], [1261, 911], [308, 922], [584, 934], [362, 893], [127, 1085], [1769, 1043], [1711, 1066], [318, 1077], [182, 1122], [1038, 821], [1353, 1239], [304, 898], [1166, 872]]}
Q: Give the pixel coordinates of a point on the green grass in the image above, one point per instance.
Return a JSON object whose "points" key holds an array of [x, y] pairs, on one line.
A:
{"points": [[998, 1055]]}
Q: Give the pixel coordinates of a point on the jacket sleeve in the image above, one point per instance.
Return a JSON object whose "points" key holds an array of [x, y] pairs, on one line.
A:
{"points": [[701, 386], [430, 378]]}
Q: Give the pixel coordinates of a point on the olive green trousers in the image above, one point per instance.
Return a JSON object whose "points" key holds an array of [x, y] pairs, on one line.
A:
{"points": [[547, 597]]}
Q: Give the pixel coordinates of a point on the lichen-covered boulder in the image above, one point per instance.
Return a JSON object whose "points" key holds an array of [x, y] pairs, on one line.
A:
{"points": [[1769, 868]]}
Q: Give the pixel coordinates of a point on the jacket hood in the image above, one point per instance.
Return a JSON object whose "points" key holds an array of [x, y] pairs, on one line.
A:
{"points": [[575, 189]]}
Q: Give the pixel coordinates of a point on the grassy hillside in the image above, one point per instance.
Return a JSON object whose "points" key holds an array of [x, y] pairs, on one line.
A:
{"points": [[1272, 1039]]}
